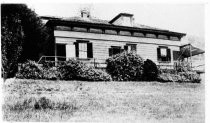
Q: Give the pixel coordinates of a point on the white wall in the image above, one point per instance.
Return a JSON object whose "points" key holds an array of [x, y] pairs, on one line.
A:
{"points": [[146, 47], [95, 36]]}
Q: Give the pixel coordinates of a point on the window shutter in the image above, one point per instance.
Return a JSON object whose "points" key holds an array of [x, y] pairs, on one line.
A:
{"points": [[76, 48], [168, 54], [158, 54], [126, 48], [121, 50], [133, 47], [176, 55], [110, 51], [89, 50]]}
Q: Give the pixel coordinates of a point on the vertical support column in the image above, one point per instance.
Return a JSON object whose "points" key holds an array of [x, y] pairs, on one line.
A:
{"points": [[56, 59], [190, 56]]}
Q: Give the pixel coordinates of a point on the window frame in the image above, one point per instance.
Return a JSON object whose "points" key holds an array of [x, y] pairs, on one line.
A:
{"points": [[89, 49], [82, 51], [167, 58], [133, 47]]}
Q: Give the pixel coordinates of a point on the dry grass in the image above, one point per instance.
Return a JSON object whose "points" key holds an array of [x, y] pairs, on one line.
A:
{"points": [[147, 102]]}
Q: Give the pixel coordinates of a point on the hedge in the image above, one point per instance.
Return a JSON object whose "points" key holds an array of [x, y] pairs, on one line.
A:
{"points": [[125, 67]]}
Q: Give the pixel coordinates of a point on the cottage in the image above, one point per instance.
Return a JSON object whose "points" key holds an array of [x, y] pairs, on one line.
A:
{"points": [[93, 41]]}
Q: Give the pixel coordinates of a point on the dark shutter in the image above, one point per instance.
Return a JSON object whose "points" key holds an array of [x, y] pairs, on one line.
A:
{"points": [[76, 48], [158, 54], [176, 55], [121, 50], [110, 51], [126, 48], [168, 54], [89, 50], [61, 51], [133, 47]]}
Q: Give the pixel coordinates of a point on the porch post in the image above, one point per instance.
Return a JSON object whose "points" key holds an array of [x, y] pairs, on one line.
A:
{"points": [[190, 56], [56, 55]]}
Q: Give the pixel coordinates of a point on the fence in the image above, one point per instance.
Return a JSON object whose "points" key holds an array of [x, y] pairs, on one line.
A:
{"points": [[97, 63], [100, 63]]}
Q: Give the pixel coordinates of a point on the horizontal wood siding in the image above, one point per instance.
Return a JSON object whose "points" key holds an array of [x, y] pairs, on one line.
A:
{"points": [[107, 37], [147, 51], [146, 47], [101, 48]]}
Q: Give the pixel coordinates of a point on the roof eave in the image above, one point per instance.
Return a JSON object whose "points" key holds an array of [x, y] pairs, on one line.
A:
{"points": [[67, 23]]}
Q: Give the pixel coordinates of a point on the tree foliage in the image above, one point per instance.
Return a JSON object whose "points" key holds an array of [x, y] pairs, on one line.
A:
{"points": [[23, 36]]}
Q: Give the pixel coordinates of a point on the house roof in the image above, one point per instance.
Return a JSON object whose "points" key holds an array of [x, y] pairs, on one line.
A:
{"points": [[106, 24]]}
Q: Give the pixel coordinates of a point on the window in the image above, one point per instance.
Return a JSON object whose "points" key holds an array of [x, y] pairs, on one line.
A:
{"points": [[130, 47], [115, 50], [164, 54], [83, 49]]}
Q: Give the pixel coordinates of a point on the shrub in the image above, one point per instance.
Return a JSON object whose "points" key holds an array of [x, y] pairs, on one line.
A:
{"points": [[190, 76], [150, 70], [183, 67], [168, 77], [76, 70], [180, 77], [125, 67], [50, 73], [171, 71], [47, 64], [30, 70]]}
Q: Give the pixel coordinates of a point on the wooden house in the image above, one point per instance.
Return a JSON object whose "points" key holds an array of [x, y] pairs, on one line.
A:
{"points": [[93, 40]]}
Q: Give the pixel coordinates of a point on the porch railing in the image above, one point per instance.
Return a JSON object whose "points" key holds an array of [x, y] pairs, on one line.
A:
{"points": [[100, 63], [97, 63]]}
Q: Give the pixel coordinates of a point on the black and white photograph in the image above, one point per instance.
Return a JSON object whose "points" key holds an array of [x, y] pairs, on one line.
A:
{"points": [[103, 62]]}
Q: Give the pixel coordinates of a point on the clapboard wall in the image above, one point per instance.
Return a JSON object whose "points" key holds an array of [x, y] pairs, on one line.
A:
{"points": [[146, 47]]}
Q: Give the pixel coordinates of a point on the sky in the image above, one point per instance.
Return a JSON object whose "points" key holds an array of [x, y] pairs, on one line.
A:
{"points": [[184, 18]]}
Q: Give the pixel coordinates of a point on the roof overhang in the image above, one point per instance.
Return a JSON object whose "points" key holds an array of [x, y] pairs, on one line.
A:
{"points": [[189, 50], [60, 22]]}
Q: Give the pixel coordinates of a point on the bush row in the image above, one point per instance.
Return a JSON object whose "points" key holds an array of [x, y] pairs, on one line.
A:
{"points": [[69, 70], [179, 77], [76, 70], [131, 67], [121, 67]]}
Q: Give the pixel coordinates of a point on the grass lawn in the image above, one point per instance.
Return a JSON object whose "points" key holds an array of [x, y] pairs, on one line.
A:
{"points": [[145, 102]]}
